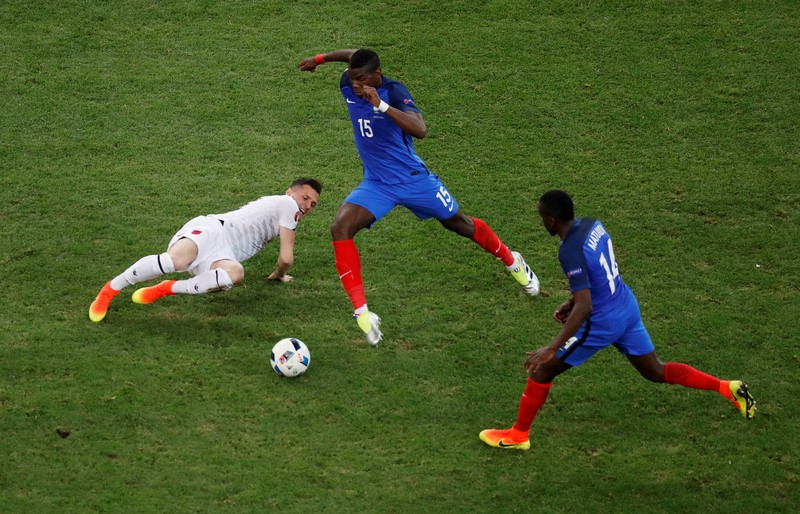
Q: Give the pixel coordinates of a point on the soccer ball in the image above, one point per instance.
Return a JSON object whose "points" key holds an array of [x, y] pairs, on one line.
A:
{"points": [[290, 357]]}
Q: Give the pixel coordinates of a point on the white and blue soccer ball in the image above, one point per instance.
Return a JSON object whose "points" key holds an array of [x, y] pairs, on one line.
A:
{"points": [[290, 357]]}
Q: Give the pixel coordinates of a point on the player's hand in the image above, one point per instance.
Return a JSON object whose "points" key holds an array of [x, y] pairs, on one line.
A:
{"points": [[308, 64], [536, 357], [370, 94], [562, 312], [282, 278]]}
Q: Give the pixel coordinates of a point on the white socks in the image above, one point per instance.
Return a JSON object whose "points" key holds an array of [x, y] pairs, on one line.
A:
{"points": [[145, 268], [154, 266], [216, 279]]}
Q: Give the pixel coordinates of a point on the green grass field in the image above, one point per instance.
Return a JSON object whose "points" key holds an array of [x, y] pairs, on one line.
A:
{"points": [[676, 123]]}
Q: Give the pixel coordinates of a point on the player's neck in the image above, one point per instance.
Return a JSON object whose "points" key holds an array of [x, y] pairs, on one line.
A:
{"points": [[563, 229]]}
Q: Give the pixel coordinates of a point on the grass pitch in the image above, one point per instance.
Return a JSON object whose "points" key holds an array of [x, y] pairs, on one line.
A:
{"points": [[675, 123]]}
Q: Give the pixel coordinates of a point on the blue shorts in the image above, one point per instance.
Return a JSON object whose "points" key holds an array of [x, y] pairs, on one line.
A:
{"points": [[426, 197], [621, 327]]}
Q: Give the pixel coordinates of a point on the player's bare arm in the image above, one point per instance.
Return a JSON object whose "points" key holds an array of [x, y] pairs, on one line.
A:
{"points": [[580, 312], [410, 122], [311, 63], [562, 312], [285, 256]]}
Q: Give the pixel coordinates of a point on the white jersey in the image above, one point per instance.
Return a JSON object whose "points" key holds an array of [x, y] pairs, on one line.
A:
{"points": [[249, 228]]}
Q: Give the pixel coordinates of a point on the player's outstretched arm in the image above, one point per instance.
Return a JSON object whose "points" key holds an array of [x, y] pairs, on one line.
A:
{"points": [[285, 256], [311, 63]]}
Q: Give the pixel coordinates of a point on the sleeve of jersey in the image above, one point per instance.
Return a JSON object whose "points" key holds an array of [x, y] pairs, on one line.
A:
{"points": [[400, 98], [574, 267], [288, 213]]}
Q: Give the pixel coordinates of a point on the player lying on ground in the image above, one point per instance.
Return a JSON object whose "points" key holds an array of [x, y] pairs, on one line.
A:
{"points": [[385, 119], [602, 311], [211, 248]]}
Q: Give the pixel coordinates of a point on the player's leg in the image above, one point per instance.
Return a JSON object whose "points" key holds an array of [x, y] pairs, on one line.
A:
{"points": [[146, 268], [199, 248], [181, 253], [354, 215], [736, 391], [638, 348], [481, 233], [349, 220], [533, 398], [577, 350], [430, 198], [221, 277]]}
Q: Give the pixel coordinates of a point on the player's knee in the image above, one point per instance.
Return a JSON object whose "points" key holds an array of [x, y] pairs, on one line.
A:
{"points": [[183, 253], [340, 231], [548, 370], [236, 272], [649, 366], [653, 374], [459, 224], [335, 231]]}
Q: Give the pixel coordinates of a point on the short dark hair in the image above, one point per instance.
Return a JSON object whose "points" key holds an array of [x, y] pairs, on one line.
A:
{"points": [[558, 204], [365, 58], [310, 182]]}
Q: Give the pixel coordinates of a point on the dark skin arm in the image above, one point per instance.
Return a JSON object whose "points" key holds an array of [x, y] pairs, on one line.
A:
{"points": [[409, 121], [542, 364], [309, 64], [562, 312], [364, 86]]}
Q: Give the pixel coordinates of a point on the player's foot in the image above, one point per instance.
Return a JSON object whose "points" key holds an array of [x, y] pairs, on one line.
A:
{"points": [[509, 439], [742, 399], [370, 323], [524, 275], [153, 293], [99, 307]]}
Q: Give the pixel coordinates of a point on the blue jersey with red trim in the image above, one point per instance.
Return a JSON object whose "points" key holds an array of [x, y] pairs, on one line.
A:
{"points": [[386, 152], [587, 259]]}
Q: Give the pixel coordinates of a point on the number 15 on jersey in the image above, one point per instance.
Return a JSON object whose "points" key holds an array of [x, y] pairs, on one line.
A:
{"points": [[364, 127], [444, 196]]}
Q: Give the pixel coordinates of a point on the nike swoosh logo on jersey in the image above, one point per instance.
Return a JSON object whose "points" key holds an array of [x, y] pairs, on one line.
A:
{"points": [[349, 101]]}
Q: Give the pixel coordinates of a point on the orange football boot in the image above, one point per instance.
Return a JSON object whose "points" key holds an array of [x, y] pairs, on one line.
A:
{"points": [[150, 294]]}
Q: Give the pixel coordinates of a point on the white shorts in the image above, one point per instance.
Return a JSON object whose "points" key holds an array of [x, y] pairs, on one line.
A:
{"points": [[209, 235]]}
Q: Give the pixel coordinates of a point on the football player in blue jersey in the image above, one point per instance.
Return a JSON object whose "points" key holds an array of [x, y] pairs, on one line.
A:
{"points": [[385, 121], [601, 311]]}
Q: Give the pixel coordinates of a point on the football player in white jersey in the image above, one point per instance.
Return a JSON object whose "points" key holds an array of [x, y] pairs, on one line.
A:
{"points": [[212, 248]]}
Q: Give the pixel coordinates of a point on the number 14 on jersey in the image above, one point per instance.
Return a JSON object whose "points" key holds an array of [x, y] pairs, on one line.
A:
{"points": [[612, 271]]}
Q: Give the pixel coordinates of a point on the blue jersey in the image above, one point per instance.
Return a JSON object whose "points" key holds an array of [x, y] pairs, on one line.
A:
{"points": [[587, 259], [386, 152]]}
